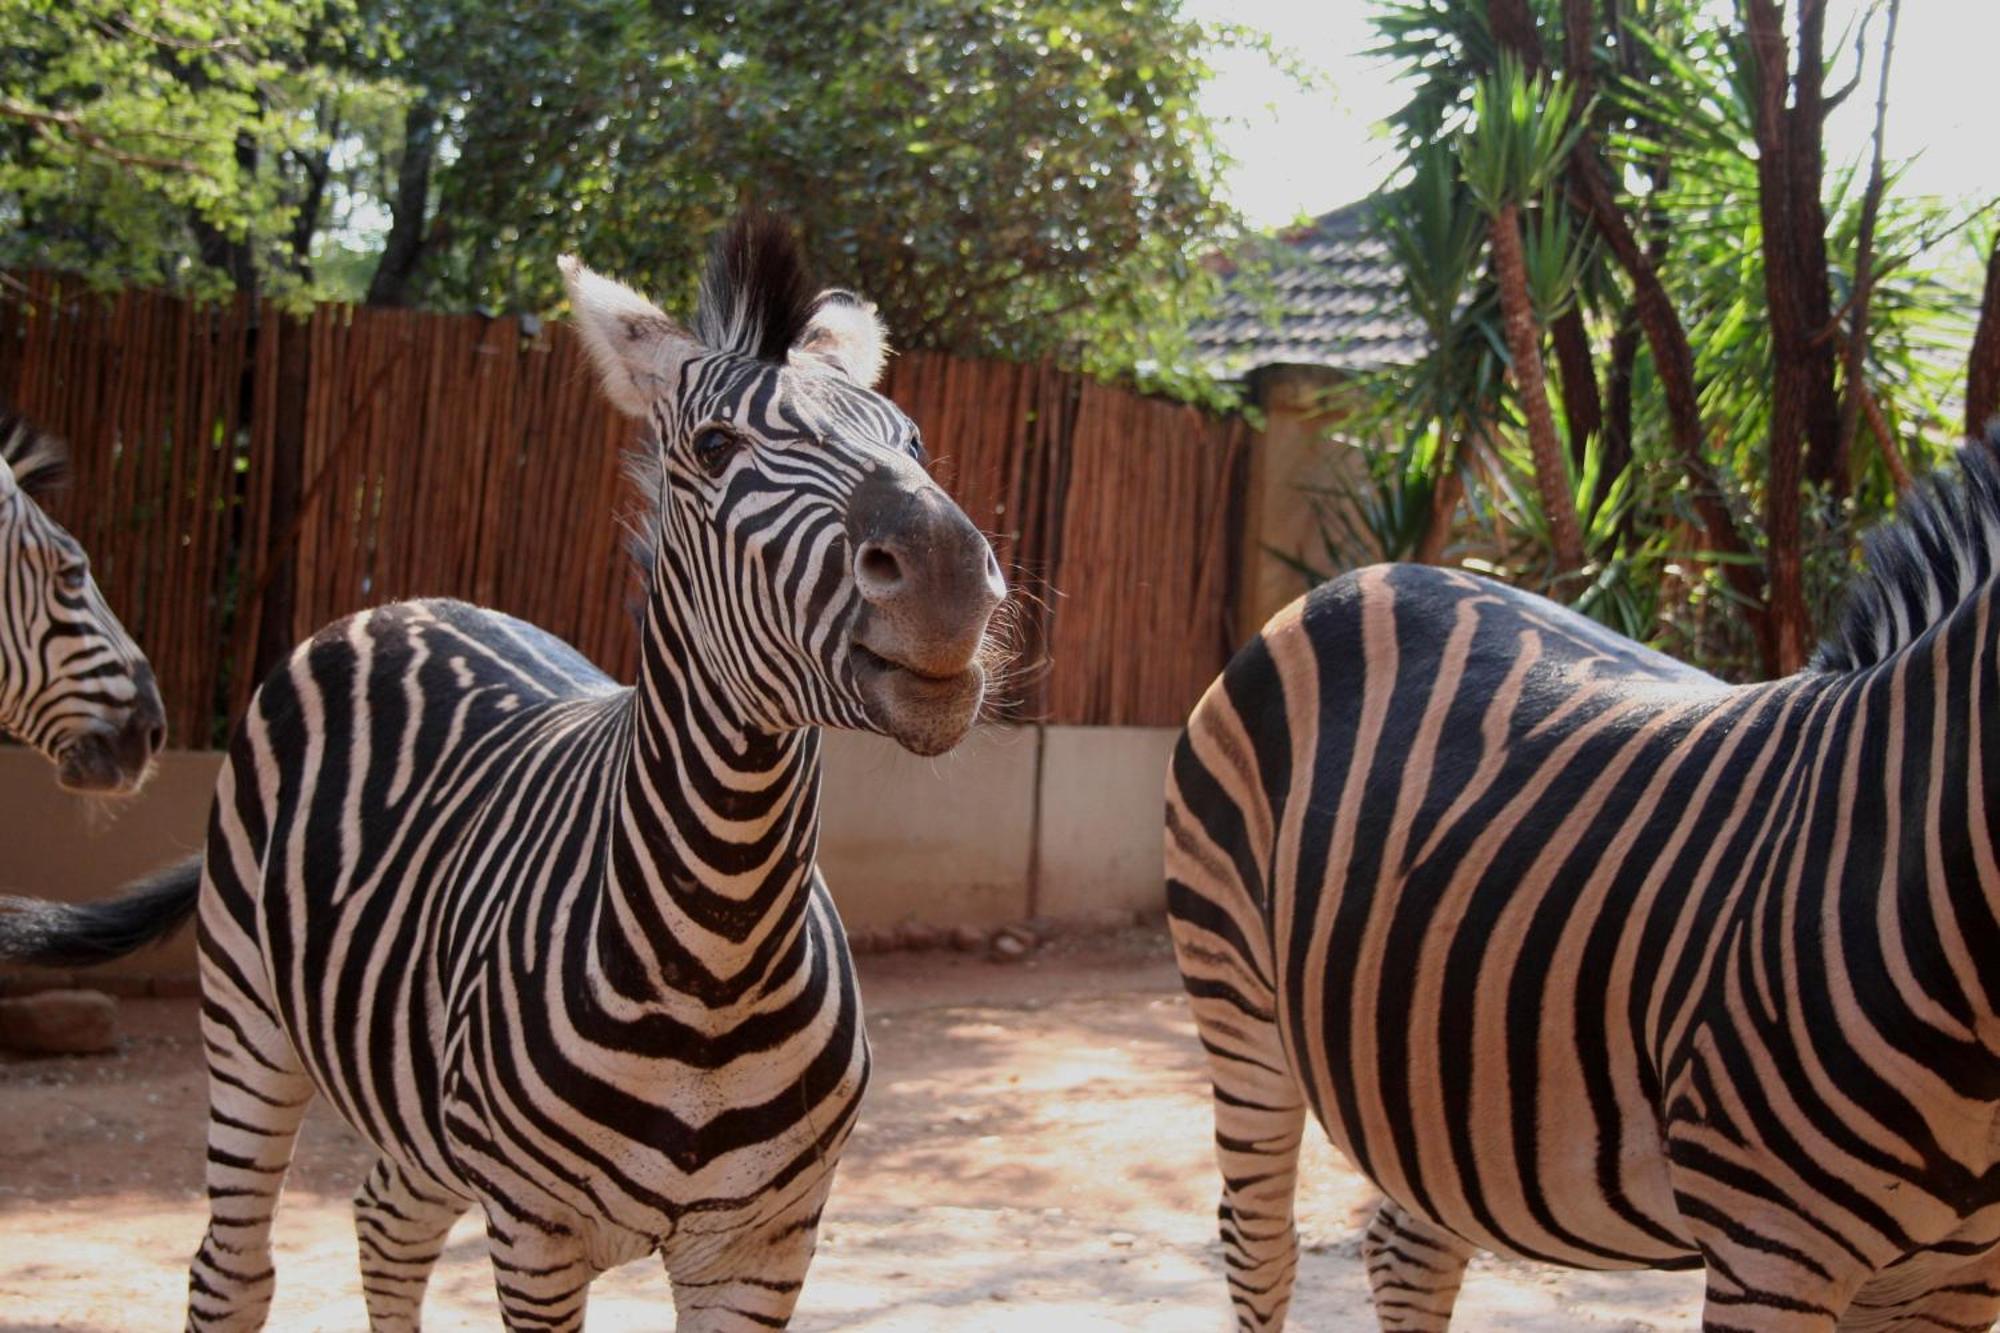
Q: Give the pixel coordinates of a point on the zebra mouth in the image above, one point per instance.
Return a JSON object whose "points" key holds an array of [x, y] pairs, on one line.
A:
{"points": [[871, 661], [91, 766], [107, 763], [925, 712]]}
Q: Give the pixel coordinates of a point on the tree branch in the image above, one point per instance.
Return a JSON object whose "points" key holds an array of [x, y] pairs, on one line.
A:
{"points": [[60, 126]]}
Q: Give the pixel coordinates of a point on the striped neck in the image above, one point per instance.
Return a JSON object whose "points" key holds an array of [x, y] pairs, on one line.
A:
{"points": [[711, 856], [1912, 767]]}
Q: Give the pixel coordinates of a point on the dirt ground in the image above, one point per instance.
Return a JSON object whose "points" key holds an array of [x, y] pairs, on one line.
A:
{"points": [[1034, 1155]]}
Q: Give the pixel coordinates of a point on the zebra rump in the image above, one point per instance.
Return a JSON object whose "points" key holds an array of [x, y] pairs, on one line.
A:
{"points": [[45, 934]]}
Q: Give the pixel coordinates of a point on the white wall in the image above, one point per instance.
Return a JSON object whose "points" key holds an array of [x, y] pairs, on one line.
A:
{"points": [[957, 840]]}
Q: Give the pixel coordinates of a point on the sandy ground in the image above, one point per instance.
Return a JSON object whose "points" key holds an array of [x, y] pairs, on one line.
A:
{"points": [[1034, 1155]]}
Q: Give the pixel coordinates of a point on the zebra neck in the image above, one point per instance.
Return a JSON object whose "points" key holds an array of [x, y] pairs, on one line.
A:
{"points": [[710, 864], [1931, 783]]}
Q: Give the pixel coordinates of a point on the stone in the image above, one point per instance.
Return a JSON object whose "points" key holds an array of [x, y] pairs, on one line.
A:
{"points": [[968, 939], [1011, 945], [861, 942], [60, 1022], [916, 936]]}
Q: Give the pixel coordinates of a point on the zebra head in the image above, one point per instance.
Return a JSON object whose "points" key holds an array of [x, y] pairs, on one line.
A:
{"points": [[72, 682], [815, 572]]}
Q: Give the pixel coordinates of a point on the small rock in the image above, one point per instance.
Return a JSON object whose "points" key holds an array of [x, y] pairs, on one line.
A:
{"points": [[60, 1022], [1122, 1239], [1011, 946], [1043, 928], [861, 942], [917, 937], [968, 939]]}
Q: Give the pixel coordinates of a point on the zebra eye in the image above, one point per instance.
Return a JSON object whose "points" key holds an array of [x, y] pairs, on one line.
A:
{"points": [[712, 448], [73, 578]]}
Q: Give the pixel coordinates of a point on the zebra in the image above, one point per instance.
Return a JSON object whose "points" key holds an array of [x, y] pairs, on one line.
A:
{"points": [[559, 949], [1584, 956], [73, 685]]}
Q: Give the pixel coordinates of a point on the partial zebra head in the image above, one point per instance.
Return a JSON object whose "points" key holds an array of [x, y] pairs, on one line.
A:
{"points": [[818, 574], [72, 682]]}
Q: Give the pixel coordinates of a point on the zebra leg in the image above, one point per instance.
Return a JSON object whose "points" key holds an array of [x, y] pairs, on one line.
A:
{"points": [[1764, 1288], [541, 1268], [402, 1221], [1925, 1294], [1260, 1119], [1414, 1268], [752, 1283], [257, 1097]]}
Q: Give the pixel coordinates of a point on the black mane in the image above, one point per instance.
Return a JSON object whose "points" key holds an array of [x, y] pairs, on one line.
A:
{"points": [[40, 461], [756, 297], [1942, 547]]}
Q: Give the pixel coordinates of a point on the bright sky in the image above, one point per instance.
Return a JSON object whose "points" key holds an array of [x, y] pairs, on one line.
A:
{"points": [[1302, 153]]}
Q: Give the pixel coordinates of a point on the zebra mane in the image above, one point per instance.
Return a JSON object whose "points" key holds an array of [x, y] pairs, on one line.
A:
{"points": [[756, 298], [40, 461], [1943, 546]]}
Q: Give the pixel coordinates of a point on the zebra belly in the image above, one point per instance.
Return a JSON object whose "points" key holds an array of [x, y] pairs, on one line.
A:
{"points": [[1458, 915], [1517, 1165]]}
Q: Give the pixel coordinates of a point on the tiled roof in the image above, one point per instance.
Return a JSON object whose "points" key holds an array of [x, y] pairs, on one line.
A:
{"points": [[1330, 297]]}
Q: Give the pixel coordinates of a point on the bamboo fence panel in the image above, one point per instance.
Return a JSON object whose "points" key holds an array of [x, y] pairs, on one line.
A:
{"points": [[446, 455]]}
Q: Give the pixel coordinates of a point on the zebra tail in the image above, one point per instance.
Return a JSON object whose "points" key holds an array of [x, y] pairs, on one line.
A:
{"points": [[85, 934]]}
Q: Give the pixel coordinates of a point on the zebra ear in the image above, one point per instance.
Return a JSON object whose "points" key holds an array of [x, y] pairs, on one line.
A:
{"points": [[845, 334], [638, 351]]}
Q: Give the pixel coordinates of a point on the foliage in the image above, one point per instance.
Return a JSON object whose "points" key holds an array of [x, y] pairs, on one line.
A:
{"points": [[134, 137], [1019, 178], [1660, 98]]}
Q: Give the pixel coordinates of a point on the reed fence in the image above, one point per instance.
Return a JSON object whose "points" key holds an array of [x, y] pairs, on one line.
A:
{"points": [[243, 477]]}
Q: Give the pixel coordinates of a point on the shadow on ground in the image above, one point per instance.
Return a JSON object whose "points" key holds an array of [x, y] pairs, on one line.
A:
{"points": [[1034, 1155]]}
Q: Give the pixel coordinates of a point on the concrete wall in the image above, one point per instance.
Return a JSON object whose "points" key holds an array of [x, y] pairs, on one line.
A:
{"points": [[1062, 822]]}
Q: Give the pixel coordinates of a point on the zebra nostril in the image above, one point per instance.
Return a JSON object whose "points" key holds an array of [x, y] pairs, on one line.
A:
{"points": [[877, 570]]}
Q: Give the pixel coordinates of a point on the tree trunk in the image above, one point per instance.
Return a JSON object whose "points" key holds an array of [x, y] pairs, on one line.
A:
{"points": [[1854, 367], [1618, 396], [403, 251], [1982, 371], [1794, 292], [1578, 380], [1524, 338], [1673, 362], [1513, 26], [218, 249], [1445, 495]]}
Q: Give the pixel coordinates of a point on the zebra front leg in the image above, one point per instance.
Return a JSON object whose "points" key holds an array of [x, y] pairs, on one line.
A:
{"points": [[749, 1283], [1769, 1286], [257, 1097], [1415, 1268], [401, 1221], [542, 1270], [1927, 1292]]}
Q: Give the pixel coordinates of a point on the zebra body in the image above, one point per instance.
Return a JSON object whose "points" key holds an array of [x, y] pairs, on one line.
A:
{"points": [[72, 683], [559, 949], [436, 881], [1584, 956]]}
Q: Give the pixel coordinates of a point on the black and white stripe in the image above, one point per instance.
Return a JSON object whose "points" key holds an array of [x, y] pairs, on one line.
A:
{"points": [[1584, 956], [72, 683], [558, 949]]}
